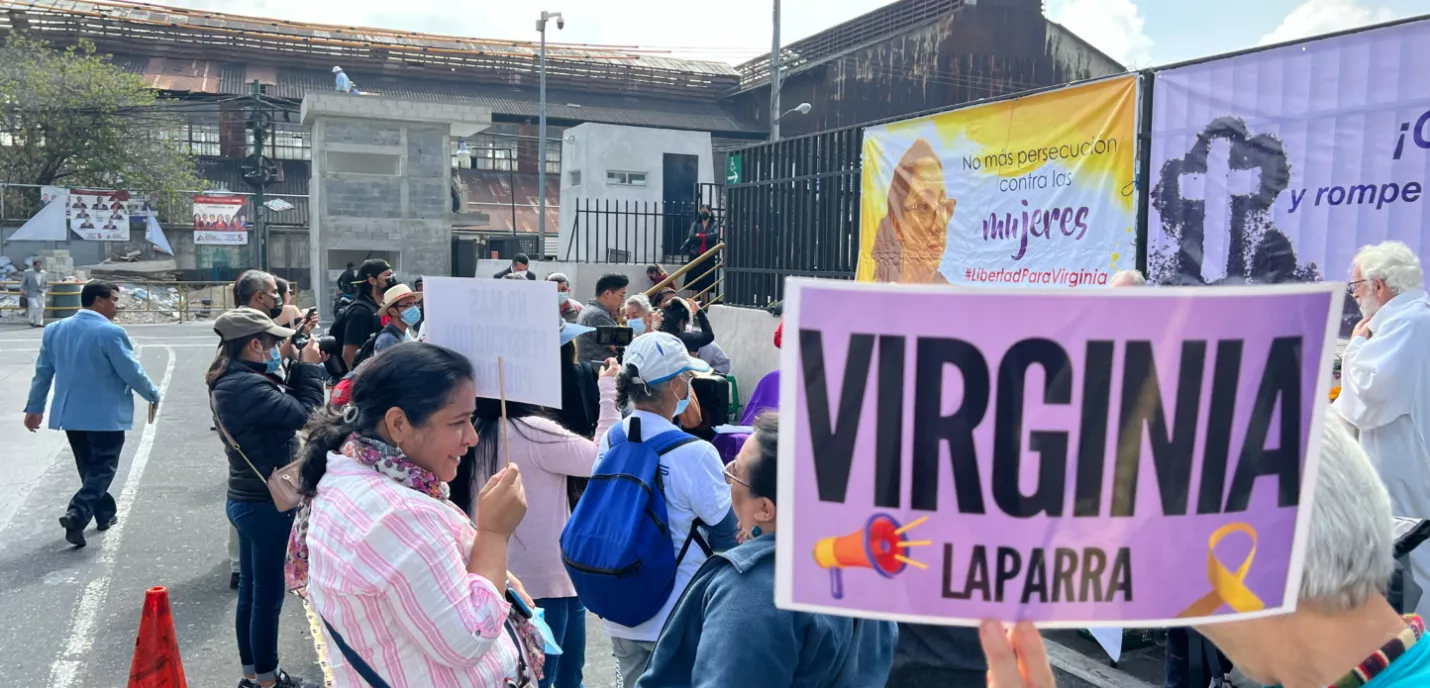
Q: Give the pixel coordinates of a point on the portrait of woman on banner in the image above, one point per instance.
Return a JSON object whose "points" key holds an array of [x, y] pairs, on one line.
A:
{"points": [[910, 241]]}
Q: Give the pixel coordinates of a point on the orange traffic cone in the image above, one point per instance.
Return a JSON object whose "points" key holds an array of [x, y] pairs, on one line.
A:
{"points": [[156, 651]]}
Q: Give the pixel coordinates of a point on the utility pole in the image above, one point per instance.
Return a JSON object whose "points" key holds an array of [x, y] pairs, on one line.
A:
{"points": [[775, 77], [258, 170], [541, 143]]}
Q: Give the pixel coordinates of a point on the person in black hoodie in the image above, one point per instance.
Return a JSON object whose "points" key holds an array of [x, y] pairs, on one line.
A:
{"points": [[677, 314], [262, 415]]}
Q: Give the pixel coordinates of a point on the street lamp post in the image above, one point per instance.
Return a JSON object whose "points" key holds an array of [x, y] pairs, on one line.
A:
{"points": [[775, 77], [541, 144]]}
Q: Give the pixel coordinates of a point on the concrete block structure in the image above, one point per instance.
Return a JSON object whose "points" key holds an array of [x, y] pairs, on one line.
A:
{"points": [[381, 182]]}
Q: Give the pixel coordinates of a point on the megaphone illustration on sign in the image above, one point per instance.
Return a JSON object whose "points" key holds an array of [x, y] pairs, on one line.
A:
{"points": [[879, 545]]}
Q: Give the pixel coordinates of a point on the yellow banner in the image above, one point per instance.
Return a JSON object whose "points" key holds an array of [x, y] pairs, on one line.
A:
{"points": [[1029, 191]]}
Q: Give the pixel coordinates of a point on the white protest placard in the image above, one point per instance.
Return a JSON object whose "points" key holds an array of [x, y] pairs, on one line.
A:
{"points": [[516, 320]]}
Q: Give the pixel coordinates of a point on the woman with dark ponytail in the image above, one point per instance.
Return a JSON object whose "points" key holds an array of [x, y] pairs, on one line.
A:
{"points": [[410, 590]]}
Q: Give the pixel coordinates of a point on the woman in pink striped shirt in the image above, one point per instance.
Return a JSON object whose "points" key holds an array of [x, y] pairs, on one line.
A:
{"points": [[549, 453], [412, 593]]}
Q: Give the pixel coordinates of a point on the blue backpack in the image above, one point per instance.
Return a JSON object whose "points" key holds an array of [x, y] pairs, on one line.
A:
{"points": [[616, 546]]}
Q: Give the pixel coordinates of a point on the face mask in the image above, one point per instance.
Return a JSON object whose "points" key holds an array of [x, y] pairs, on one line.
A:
{"points": [[275, 311], [704, 215], [411, 316], [637, 327], [275, 359], [680, 405]]}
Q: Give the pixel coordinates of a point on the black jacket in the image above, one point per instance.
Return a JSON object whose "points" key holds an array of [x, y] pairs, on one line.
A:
{"points": [[264, 417], [529, 274]]}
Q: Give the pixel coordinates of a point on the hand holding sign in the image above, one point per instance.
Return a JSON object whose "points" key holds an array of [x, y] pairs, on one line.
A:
{"points": [[1016, 656]]}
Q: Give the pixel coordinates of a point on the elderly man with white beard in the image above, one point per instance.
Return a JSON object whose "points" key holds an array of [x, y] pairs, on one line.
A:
{"points": [[1385, 381]]}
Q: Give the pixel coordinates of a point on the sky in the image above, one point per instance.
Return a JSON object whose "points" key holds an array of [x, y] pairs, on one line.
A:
{"points": [[1138, 33]]}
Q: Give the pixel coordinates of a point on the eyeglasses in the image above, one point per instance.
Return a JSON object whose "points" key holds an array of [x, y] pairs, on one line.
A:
{"points": [[1351, 286], [731, 478]]}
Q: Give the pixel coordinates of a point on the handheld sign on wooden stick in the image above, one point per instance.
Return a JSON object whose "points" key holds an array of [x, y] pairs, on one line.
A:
{"points": [[501, 390]]}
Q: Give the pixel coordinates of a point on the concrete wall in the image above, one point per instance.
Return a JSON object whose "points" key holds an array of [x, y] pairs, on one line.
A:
{"points": [[381, 176], [748, 336], [583, 276], [591, 150]]}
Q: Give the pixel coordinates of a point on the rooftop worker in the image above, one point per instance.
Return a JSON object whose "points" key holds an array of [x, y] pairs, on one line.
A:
{"points": [[344, 84]]}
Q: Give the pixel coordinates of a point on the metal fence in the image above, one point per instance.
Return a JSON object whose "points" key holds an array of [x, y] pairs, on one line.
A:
{"points": [[629, 232], [795, 212]]}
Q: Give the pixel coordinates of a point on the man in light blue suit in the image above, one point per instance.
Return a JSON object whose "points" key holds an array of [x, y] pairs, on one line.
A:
{"points": [[95, 371]]}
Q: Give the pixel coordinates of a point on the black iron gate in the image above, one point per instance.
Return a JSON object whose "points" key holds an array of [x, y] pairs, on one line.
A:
{"points": [[793, 212]]}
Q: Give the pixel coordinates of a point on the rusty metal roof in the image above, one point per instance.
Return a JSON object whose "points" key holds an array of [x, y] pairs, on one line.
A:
{"points": [[172, 32], [563, 106]]}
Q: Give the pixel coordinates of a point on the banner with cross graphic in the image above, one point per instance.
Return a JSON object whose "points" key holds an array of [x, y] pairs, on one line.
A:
{"points": [[1109, 457], [1277, 165]]}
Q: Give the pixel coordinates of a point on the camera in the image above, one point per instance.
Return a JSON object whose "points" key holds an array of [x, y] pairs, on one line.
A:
{"points": [[561, 22], [614, 336]]}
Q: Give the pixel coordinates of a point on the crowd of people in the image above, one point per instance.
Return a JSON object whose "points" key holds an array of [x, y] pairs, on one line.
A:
{"points": [[445, 541]]}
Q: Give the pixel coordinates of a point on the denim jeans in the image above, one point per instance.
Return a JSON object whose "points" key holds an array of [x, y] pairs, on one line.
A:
{"points": [[96, 456], [567, 619], [262, 549]]}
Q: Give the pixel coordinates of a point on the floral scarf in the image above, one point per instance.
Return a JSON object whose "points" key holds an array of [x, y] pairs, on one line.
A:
{"points": [[379, 456]]}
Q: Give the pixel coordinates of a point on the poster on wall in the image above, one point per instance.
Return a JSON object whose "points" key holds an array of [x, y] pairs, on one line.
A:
{"points": [[1034, 191], [97, 215], [932, 472], [1276, 166], [221, 220]]}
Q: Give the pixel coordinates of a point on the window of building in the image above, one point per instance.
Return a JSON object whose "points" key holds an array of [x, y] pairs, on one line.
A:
{"points": [[285, 142], [575, 177], [553, 157], [625, 178], [201, 138], [493, 149]]}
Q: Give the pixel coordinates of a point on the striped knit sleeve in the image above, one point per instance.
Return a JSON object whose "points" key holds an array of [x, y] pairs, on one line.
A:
{"points": [[453, 615]]}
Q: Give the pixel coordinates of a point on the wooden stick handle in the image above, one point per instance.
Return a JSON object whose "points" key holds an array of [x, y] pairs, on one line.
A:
{"points": [[501, 389]]}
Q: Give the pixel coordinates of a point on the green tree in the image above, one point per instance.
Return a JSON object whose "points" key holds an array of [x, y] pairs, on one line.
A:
{"points": [[69, 117]]}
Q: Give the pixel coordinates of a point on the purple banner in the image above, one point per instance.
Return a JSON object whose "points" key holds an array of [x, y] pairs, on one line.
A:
{"points": [[1121, 457], [1277, 165]]}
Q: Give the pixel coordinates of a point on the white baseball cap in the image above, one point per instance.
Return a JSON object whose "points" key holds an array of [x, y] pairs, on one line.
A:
{"points": [[660, 356]]}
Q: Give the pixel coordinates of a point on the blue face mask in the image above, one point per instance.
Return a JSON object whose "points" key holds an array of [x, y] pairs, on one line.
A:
{"points": [[275, 359], [680, 405], [412, 315], [637, 327]]}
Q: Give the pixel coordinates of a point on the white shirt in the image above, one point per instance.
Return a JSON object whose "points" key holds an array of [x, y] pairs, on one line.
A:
{"points": [[1385, 394], [695, 487]]}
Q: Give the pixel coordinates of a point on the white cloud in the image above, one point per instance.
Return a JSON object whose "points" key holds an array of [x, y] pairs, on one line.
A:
{"points": [[1314, 17], [1112, 26], [734, 32]]}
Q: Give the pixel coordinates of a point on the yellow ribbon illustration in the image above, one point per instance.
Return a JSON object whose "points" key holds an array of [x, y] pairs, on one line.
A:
{"points": [[1228, 587]]}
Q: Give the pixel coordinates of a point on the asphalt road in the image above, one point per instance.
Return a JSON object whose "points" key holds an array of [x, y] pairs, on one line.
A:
{"points": [[68, 617]]}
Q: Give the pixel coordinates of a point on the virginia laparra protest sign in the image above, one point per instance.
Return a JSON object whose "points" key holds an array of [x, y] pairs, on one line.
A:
{"points": [[1122, 457]]}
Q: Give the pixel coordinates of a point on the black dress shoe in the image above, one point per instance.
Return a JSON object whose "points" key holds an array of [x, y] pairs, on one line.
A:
{"points": [[73, 535], [232, 581], [104, 524]]}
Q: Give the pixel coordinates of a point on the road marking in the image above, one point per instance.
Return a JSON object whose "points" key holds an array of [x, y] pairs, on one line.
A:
{"points": [[65, 670]]}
